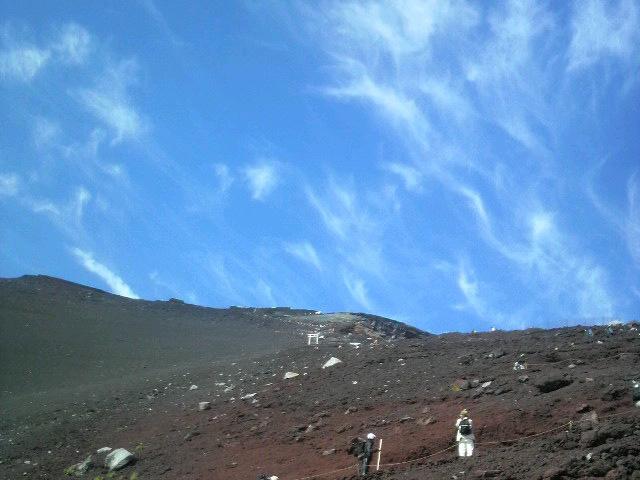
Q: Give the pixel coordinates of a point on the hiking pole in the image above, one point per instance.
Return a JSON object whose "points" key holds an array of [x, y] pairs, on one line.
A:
{"points": [[379, 453]]}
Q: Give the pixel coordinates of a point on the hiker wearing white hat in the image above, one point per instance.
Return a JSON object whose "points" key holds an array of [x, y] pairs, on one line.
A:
{"points": [[363, 449], [464, 434]]}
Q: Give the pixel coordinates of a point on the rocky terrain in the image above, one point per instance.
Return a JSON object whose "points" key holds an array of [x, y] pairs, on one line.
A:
{"points": [[200, 393]]}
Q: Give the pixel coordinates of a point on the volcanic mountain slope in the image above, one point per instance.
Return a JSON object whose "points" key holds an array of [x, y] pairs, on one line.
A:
{"points": [[58, 338], [567, 414]]}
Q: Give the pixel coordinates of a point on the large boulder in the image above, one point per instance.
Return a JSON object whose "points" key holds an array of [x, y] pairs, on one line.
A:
{"points": [[118, 458]]}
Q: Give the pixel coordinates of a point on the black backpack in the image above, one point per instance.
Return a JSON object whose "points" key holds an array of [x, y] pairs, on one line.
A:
{"points": [[465, 427], [357, 447]]}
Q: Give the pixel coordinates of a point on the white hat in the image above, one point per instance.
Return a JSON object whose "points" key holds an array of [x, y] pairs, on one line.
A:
{"points": [[273, 477], [370, 436]]}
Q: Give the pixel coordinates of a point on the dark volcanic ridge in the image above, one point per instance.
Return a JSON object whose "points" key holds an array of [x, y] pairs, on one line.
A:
{"points": [[84, 369]]}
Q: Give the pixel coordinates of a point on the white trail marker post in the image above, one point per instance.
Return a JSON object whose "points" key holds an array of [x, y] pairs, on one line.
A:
{"points": [[379, 453]]}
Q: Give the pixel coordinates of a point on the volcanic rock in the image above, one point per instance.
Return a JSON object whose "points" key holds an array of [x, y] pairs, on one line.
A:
{"points": [[552, 383], [460, 384], [331, 362], [204, 406], [81, 468], [118, 458], [612, 393]]}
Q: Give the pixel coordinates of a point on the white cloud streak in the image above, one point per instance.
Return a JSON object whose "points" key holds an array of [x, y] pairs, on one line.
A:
{"points": [[109, 100], [411, 177], [306, 252], [262, 178], [22, 63], [115, 283], [358, 290]]}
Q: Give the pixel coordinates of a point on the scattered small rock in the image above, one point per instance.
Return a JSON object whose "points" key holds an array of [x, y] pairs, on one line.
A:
{"points": [[202, 406], [330, 451], [424, 421], [344, 428], [193, 387], [460, 384], [290, 375], [190, 435], [331, 362]]}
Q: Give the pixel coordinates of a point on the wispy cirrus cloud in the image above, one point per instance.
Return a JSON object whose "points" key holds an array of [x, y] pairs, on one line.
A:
{"points": [[67, 216], [22, 60], [73, 44], [469, 287], [22, 63], [340, 209], [484, 77], [264, 293], [306, 252], [115, 282], [110, 102], [603, 30], [225, 178], [632, 221], [357, 289], [9, 184], [411, 176], [160, 20], [262, 178]]}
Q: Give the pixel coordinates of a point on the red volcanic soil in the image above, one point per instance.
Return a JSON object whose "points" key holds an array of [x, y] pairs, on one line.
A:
{"points": [[572, 417]]}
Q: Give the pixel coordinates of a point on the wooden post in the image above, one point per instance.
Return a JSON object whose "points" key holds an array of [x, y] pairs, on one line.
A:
{"points": [[379, 453]]}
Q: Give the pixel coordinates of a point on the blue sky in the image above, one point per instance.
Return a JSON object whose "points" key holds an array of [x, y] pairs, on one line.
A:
{"points": [[454, 165]]}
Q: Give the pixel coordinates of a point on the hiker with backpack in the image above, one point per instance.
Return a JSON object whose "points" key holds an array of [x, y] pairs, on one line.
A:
{"points": [[464, 434], [362, 449]]}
